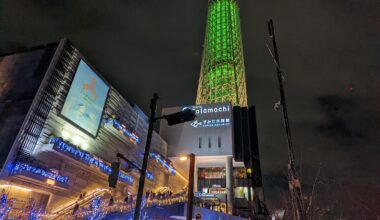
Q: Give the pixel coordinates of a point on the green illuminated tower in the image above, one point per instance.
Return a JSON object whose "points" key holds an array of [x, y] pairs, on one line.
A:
{"points": [[222, 76]]}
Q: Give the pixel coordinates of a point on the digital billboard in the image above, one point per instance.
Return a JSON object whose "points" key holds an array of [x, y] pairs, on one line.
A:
{"points": [[86, 99], [210, 134]]}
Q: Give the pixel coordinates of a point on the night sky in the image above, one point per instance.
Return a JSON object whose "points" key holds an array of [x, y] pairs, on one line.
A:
{"points": [[329, 51]]}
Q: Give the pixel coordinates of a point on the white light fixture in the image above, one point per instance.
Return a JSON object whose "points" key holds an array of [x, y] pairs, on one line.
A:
{"points": [[50, 182], [65, 134], [84, 145], [76, 140], [183, 158], [16, 187]]}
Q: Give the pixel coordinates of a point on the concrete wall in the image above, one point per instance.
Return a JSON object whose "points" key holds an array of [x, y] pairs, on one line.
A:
{"points": [[20, 77]]}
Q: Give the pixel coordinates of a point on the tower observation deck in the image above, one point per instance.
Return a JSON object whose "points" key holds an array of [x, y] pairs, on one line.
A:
{"points": [[222, 75]]}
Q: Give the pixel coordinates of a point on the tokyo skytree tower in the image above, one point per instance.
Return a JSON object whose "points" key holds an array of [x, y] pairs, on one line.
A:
{"points": [[222, 75]]}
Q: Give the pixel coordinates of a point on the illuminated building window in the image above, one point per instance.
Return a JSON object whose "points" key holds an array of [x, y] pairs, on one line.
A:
{"points": [[212, 178]]}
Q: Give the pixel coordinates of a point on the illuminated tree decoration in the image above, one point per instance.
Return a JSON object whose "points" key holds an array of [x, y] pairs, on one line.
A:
{"points": [[5, 205], [96, 210], [33, 212], [222, 75], [144, 206], [3, 199]]}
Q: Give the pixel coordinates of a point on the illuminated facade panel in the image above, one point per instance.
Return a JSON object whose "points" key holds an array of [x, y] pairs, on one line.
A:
{"points": [[222, 76]]}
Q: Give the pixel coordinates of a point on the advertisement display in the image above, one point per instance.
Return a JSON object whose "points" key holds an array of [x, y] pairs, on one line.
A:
{"points": [[86, 99], [210, 134]]}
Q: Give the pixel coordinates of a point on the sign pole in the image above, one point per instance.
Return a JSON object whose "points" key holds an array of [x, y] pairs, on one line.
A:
{"points": [[190, 190], [153, 107]]}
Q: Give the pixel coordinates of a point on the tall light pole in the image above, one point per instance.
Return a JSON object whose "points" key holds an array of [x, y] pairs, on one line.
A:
{"points": [[190, 190], [293, 178], [172, 119], [153, 107]]}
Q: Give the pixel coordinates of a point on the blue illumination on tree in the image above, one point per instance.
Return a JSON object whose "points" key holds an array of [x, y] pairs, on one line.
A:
{"points": [[3, 199], [96, 210], [34, 213], [144, 205], [5, 205]]}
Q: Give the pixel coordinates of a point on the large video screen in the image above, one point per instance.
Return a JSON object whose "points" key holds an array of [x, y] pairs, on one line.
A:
{"points": [[86, 99]]}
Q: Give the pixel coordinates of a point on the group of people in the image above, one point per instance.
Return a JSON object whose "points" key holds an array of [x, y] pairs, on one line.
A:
{"points": [[211, 206], [112, 204], [129, 198], [165, 197], [159, 195]]}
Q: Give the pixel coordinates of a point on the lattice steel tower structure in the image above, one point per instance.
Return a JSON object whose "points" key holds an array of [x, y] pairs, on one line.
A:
{"points": [[222, 75]]}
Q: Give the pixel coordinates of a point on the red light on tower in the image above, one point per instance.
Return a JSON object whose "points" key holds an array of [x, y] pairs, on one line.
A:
{"points": [[350, 88]]}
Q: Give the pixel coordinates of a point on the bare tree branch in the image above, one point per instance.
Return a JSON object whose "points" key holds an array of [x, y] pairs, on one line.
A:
{"points": [[309, 208]]}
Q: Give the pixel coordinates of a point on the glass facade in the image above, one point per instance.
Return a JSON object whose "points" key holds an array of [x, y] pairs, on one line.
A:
{"points": [[212, 193], [242, 183], [222, 77], [209, 178], [240, 173], [213, 189]]}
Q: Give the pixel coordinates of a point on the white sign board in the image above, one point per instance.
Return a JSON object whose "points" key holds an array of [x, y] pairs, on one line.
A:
{"points": [[210, 134]]}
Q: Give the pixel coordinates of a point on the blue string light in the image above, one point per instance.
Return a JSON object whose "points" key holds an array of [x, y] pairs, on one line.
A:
{"points": [[3, 199], [96, 211], [86, 158], [133, 137], [34, 213], [4, 212], [116, 124], [149, 175], [20, 167], [160, 160]]}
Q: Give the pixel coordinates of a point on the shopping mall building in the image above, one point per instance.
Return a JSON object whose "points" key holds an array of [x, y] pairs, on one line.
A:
{"points": [[62, 124], [223, 181]]}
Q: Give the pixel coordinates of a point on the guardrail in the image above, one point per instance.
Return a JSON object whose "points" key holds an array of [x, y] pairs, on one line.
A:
{"points": [[69, 208], [123, 206]]}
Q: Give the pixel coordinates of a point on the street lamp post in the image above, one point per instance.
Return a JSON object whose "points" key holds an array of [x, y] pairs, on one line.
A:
{"points": [[153, 107], [190, 190], [296, 196], [172, 119]]}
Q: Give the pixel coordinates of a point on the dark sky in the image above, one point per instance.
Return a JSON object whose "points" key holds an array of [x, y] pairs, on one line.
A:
{"points": [[329, 51]]}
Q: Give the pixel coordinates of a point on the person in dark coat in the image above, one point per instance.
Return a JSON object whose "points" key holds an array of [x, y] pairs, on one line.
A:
{"points": [[111, 202]]}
